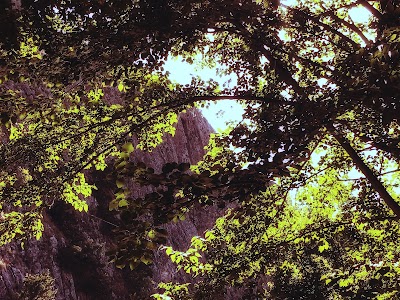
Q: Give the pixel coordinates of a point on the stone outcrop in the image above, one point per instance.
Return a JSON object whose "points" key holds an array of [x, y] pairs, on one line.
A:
{"points": [[73, 247]]}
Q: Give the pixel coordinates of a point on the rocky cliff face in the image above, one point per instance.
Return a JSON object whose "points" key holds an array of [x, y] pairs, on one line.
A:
{"points": [[74, 244]]}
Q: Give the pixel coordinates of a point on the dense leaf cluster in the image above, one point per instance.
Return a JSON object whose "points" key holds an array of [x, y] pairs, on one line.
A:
{"points": [[80, 80]]}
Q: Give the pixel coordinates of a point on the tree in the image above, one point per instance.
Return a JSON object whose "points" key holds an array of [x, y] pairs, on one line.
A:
{"points": [[80, 79]]}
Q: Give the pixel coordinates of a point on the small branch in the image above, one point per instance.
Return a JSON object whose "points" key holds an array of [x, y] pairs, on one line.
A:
{"points": [[389, 172], [250, 98], [362, 178], [316, 173], [367, 149], [388, 147], [98, 218], [351, 179]]}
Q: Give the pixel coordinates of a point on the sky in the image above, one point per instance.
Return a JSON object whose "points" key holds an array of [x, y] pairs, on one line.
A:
{"points": [[218, 113]]}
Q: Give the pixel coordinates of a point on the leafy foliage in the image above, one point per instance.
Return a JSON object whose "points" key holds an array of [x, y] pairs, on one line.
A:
{"points": [[314, 243], [80, 80]]}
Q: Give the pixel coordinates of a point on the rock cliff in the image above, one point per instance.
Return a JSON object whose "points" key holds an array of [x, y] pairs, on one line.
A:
{"points": [[72, 249]]}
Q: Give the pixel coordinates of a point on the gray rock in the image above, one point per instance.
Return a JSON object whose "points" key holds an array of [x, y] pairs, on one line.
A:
{"points": [[73, 245]]}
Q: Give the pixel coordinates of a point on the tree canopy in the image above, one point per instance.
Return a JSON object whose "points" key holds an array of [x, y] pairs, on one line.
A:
{"points": [[80, 80]]}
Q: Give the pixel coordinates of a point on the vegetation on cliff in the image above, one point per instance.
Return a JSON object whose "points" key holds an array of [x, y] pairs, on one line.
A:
{"points": [[80, 80]]}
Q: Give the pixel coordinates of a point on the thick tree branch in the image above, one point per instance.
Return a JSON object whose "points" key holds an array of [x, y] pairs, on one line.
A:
{"points": [[328, 28], [350, 26], [370, 8], [369, 174], [281, 69]]}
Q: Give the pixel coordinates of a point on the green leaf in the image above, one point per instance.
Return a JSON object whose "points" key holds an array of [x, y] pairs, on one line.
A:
{"points": [[120, 183], [123, 203], [169, 251], [194, 259], [128, 148], [133, 265], [146, 260], [113, 205], [323, 247]]}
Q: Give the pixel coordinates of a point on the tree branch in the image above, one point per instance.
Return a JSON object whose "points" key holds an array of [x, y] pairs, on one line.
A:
{"points": [[250, 98], [389, 172], [369, 174], [328, 28], [281, 70], [376, 13], [351, 26]]}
